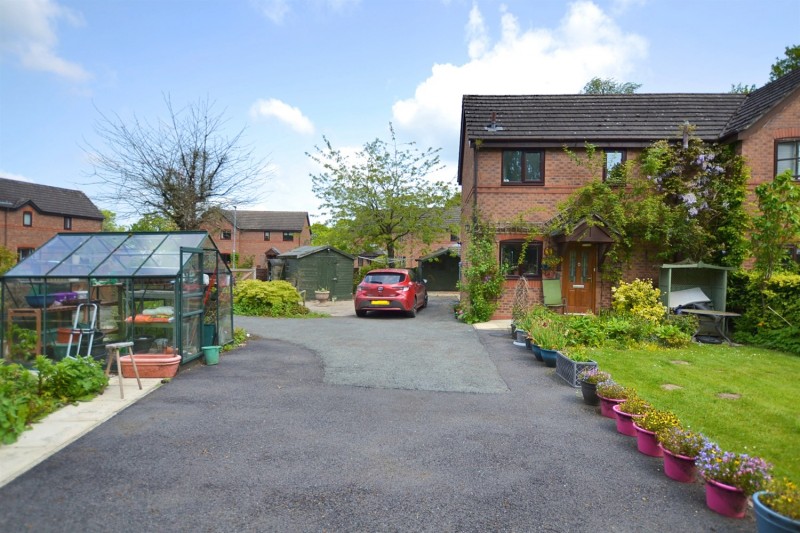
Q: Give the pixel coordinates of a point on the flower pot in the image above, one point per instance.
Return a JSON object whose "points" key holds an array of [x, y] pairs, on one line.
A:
{"points": [[625, 422], [549, 357], [537, 352], [607, 404], [521, 337], [679, 467], [768, 521], [725, 500], [568, 370], [589, 391], [322, 296], [646, 442], [211, 354], [150, 365]]}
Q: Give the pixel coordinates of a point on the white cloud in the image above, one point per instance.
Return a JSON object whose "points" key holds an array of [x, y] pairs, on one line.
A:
{"points": [[586, 43], [15, 177], [274, 10], [291, 116], [28, 32]]}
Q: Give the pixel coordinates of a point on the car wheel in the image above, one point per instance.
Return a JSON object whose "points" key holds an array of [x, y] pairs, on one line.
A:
{"points": [[425, 302], [360, 313], [413, 311]]}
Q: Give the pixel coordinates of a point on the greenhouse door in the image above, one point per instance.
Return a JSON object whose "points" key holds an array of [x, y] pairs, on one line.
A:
{"points": [[190, 307]]}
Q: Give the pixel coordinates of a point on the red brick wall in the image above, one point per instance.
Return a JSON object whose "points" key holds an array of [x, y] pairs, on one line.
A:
{"points": [[251, 242], [14, 235]]}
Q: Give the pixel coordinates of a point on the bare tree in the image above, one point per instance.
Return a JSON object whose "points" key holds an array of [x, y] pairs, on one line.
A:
{"points": [[184, 168]]}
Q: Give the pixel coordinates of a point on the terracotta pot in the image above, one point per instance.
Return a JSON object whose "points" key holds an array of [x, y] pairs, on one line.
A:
{"points": [[679, 467], [625, 422], [607, 404], [647, 442], [725, 500], [153, 365]]}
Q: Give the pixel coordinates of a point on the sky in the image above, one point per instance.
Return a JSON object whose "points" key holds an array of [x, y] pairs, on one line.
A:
{"points": [[293, 72]]}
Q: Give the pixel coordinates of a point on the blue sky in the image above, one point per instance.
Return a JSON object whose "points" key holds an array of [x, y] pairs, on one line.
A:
{"points": [[291, 71]]}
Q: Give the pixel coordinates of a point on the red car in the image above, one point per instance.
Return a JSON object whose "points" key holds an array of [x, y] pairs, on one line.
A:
{"points": [[391, 289]]}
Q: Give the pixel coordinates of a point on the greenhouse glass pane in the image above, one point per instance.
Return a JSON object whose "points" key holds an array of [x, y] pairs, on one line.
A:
{"points": [[49, 256], [129, 257], [88, 256]]}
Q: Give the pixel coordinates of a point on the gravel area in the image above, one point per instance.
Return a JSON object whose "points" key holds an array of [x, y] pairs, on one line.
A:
{"points": [[270, 440]]}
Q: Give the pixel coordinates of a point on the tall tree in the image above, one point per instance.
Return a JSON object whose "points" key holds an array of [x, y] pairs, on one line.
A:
{"points": [[153, 222], [382, 194], [180, 168], [609, 86], [110, 221], [786, 64], [778, 223]]}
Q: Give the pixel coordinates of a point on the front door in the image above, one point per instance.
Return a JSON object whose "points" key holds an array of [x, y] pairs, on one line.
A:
{"points": [[579, 272]]}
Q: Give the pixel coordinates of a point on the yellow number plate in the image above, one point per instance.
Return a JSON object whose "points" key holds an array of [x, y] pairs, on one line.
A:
{"points": [[380, 302]]}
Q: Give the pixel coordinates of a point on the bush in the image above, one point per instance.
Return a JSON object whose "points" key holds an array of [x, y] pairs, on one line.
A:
{"points": [[640, 299], [267, 298], [71, 379]]}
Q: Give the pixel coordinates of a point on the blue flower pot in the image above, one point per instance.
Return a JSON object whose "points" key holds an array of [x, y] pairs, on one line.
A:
{"points": [[537, 352], [549, 357], [768, 521]]}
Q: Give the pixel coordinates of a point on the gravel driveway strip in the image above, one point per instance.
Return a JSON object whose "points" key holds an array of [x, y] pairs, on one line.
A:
{"points": [[268, 440]]}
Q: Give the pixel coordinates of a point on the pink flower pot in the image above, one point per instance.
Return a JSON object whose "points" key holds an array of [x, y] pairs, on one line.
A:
{"points": [[606, 405], [625, 422], [725, 500], [646, 442], [679, 467]]}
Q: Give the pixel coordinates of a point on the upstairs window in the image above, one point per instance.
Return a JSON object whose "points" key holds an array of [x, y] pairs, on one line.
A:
{"points": [[530, 265], [22, 253], [266, 235], [27, 219], [523, 167], [288, 236], [787, 157], [225, 235], [67, 222], [613, 169]]}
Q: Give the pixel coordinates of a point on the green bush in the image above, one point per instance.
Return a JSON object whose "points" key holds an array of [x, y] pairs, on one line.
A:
{"points": [[71, 379], [267, 298], [638, 298]]}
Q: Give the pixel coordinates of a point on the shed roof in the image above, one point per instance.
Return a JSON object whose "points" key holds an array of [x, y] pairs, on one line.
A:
{"points": [[110, 255], [303, 251], [269, 220], [46, 199]]}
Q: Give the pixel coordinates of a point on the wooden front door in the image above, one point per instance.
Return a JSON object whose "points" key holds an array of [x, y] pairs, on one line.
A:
{"points": [[579, 272]]}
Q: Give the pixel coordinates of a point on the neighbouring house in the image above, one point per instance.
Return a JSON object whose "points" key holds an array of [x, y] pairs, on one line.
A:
{"points": [[31, 214], [261, 235], [513, 169]]}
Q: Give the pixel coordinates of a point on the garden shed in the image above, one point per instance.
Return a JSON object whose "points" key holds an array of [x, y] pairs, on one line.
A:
{"points": [[441, 269], [311, 268], [167, 292], [689, 275]]}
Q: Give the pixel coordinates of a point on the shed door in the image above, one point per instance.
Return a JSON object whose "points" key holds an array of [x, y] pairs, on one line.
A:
{"points": [[578, 279], [327, 273]]}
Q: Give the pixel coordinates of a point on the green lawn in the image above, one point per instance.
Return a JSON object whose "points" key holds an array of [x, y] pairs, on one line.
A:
{"points": [[763, 421]]}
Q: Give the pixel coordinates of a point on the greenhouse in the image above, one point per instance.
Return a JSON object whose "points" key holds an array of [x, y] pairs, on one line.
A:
{"points": [[168, 293]]}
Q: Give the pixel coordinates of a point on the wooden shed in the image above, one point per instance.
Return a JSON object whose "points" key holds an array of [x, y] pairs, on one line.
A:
{"points": [[310, 268]]}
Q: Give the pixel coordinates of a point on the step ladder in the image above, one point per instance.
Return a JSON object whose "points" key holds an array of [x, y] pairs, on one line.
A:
{"points": [[78, 329]]}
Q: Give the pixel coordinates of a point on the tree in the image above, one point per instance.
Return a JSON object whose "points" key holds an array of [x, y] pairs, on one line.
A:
{"points": [[7, 259], [110, 221], [180, 168], [778, 225], [609, 86], [153, 222], [382, 194], [787, 64], [740, 88]]}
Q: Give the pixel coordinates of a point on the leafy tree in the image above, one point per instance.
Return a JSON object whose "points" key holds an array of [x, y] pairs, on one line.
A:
{"points": [[609, 86], [382, 194], [778, 224], [7, 259], [179, 168], [742, 89], [110, 221], [337, 235], [786, 64], [154, 222]]}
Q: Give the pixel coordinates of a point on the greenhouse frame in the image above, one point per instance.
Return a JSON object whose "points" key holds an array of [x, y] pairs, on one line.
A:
{"points": [[167, 292]]}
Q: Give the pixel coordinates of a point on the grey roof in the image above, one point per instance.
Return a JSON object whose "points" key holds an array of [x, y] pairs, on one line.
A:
{"points": [[761, 101], [48, 200], [302, 251], [269, 220], [581, 117]]}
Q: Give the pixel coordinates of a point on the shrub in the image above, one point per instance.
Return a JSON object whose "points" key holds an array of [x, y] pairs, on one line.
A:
{"points": [[71, 379], [671, 336], [586, 330], [638, 298], [267, 298]]}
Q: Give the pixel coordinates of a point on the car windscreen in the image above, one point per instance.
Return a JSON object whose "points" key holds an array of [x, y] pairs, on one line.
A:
{"points": [[385, 278]]}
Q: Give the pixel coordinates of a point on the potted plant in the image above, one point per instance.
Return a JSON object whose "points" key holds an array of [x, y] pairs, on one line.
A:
{"points": [[572, 361], [589, 378], [610, 394], [551, 337], [627, 411], [550, 262], [322, 294], [681, 447], [777, 507], [730, 478], [648, 425]]}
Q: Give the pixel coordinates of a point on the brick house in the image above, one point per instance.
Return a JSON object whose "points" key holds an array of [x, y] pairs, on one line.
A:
{"points": [[513, 168], [262, 235], [31, 214]]}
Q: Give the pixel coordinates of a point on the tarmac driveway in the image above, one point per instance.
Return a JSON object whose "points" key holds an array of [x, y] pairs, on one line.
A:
{"points": [[271, 439]]}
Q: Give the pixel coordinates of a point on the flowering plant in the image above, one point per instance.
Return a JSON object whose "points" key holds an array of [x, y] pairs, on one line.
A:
{"points": [[656, 419], [783, 497], [749, 474], [681, 441], [548, 334], [634, 405], [549, 259], [593, 375], [612, 391]]}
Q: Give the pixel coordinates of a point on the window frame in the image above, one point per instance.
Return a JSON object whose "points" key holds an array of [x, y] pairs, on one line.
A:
{"points": [[524, 167], [290, 235], [225, 235], [267, 236], [24, 252], [67, 223], [606, 170], [27, 219], [522, 270], [796, 144]]}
